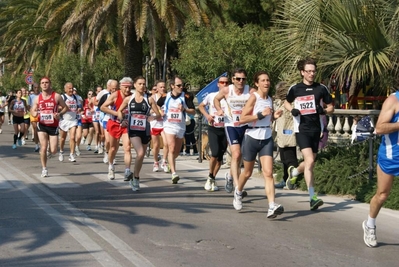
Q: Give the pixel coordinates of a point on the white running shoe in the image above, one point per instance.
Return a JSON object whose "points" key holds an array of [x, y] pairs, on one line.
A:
{"points": [[72, 158], [100, 149], [237, 202], [44, 173], [175, 178], [135, 184], [77, 151], [105, 159], [214, 186], [111, 174], [166, 167], [23, 142], [83, 141], [155, 167], [276, 210], [61, 156], [88, 148], [370, 235], [208, 184]]}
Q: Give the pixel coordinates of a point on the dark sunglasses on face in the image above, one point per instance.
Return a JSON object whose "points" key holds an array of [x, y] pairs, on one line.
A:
{"points": [[179, 85], [223, 82], [239, 79]]}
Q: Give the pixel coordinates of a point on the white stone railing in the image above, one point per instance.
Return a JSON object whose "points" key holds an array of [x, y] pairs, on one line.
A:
{"points": [[341, 122]]}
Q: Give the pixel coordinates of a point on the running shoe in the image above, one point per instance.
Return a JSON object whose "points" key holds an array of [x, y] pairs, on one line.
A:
{"points": [[19, 141], [128, 175], [166, 168], [61, 156], [44, 173], [88, 148], [291, 181], [229, 183], [214, 186], [155, 167], [208, 184], [77, 151], [237, 202], [105, 159], [1, 131], [276, 210], [37, 149], [14, 146], [370, 235], [96, 151], [83, 141], [315, 203], [100, 149], [111, 174], [280, 185], [72, 158], [175, 178], [135, 184], [9, 122], [23, 142]]}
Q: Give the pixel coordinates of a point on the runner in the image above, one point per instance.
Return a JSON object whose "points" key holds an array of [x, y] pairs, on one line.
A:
{"points": [[139, 106], [79, 129], [116, 130], [3, 102], [258, 113], [34, 120], [26, 115], [10, 97], [157, 132], [69, 122], [87, 121], [46, 107], [216, 134], [96, 120], [18, 109], [176, 107], [236, 95]]}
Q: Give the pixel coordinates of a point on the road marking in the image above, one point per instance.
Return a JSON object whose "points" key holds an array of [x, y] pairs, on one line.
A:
{"points": [[4, 183], [95, 250], [56, 180]]}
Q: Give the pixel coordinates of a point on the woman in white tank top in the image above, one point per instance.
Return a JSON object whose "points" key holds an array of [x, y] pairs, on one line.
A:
{"points": [[258, 113]]}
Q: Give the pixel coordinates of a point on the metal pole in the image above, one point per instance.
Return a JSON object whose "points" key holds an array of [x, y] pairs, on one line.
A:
{"points": [[199, 141], [371, 170]]}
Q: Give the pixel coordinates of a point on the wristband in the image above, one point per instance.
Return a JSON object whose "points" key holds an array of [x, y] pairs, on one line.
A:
{"points": [[260, 115]]}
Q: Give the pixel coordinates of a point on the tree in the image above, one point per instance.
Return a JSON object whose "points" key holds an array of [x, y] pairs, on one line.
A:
{"points": [[91, 22], [205, 53], [356, 39]]}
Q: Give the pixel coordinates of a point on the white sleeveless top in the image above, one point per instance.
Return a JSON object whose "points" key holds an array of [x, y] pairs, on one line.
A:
{"points": [[208, 101], [235, 105], [260, 129], [156, 123], [174, 118]]}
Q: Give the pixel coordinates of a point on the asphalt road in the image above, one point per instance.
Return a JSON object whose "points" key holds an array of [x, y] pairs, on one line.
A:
{"points": [[76, 217]]}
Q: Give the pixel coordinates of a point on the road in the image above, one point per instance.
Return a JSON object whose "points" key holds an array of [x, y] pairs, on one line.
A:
{"points": [[76, 217]]}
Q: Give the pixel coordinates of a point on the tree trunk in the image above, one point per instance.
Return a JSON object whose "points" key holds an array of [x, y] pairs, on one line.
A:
{"points": [[133, 54]]}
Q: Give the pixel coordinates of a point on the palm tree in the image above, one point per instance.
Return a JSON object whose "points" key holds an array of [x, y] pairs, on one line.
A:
{"points": [[356, 39], [126, 22]]}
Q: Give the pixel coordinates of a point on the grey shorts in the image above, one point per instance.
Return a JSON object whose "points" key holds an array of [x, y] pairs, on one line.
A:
{"points": [[251, 147]]}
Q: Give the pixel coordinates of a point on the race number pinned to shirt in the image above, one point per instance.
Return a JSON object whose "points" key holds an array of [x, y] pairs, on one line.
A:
{"points": [[218, 121], [46, 117], [306, 104], [72, 105], [175, 115], [138, 122], [236, 114]]}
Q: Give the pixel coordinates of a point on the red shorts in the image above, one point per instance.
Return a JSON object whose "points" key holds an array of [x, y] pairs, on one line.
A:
{"points": [[115, 129], [156, 131]]}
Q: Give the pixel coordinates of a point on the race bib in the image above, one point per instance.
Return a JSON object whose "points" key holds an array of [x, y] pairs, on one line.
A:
{"points": [[46, 117], [72, 105], [306, 104], [88, 113], [138, 122], [175, 115], [236, 114], [218, 121]]}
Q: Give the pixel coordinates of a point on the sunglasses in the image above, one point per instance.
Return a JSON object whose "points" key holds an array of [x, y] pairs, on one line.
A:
{"points": [[310, 71], [239, 79], [179, 85], [223, 82]]}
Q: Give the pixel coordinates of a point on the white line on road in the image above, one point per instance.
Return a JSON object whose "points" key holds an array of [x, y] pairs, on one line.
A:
{"points": [[96, 251]]}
